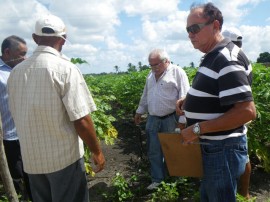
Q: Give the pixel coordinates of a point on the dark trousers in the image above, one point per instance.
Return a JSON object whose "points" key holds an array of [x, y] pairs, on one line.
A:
{"points": [[66, 185], [15, 165]]}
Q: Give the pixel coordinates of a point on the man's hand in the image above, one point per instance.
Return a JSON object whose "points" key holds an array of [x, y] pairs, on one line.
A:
{"points": [[86, 130], [188, 135], [179, 106], [181, 126], [137, 118], [99, 162]]}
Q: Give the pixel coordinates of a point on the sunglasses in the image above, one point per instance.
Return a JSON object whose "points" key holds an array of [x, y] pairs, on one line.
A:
{"points": [[196, 28], [155, 65]]}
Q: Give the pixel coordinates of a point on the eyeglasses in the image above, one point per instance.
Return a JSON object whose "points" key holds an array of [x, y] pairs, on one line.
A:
{"points": [[155, 65], [196, 28]]}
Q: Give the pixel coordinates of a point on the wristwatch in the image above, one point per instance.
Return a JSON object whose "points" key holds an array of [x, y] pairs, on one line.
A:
{"points": [[196, 129]]}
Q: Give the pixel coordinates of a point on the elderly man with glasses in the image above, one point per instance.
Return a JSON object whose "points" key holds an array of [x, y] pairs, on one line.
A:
{"points": [[218, 104], [165, 84]]}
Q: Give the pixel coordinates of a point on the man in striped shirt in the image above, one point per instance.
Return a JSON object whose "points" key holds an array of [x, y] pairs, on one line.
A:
{"points": [[165, 84], [218, 104], [236, 37], [13, 50]]}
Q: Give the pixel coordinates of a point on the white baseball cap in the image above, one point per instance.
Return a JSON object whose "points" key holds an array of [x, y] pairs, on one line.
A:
{"points": [[50, 25], [233, 34]]}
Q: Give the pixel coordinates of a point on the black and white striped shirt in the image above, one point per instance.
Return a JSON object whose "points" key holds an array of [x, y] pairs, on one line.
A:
{"points": [[223, 79]]}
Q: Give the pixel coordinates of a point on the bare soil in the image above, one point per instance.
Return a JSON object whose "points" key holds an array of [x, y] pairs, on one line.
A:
{"points": [[127, 156]]}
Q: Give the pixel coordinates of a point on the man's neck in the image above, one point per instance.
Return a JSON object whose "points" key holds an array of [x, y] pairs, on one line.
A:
{"points": [[214, 43]]}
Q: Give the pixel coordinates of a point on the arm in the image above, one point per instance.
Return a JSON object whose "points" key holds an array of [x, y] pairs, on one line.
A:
{"points": [[241, 113], [183, 90], [179, 106], [142, 106], [137, 118], [85, 129], [184, 87]]}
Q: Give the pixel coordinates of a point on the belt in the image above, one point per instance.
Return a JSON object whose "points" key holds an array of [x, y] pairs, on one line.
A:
{"points": [[166, 116]]}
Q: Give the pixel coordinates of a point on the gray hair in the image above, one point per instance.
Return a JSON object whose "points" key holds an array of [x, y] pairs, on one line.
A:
{"points": [[161, 53]]}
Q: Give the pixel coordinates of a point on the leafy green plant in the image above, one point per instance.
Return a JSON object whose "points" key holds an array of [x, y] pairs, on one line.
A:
{"points": [[240, 198], [121, 190], [166, 192], [102, 118], [258, 138], [3, 199], [190, 73], [128, 91], [177, 188]]}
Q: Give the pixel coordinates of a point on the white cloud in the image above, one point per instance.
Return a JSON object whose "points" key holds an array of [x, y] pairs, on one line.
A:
{"points": [[94, 26], [255, 40], [149, 8]]}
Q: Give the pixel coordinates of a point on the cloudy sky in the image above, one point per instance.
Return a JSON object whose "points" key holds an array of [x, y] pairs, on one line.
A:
{"points": [[107, 33]]}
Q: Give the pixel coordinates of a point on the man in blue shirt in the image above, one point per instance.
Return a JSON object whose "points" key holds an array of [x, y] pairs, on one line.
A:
{"points": [[13, 50]]}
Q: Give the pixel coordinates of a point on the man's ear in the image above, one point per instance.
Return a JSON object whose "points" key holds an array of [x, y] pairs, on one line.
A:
{"points": [[35, 38], [7, 52], [216, 25], [63, 42]]}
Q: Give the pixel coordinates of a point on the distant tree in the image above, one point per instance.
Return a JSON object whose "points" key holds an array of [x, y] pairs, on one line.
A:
{"points": [[263, 57], [139, 65], [131, 68], [144, 67], [192, 64], [116, 69], [78, 61]]}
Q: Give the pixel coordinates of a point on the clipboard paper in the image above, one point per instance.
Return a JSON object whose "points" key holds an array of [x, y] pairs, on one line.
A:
{"points": [[181, 159]]}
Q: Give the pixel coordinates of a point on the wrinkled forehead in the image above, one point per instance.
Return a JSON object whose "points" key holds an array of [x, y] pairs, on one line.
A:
{"points": [[22, 47], [153, 56]]}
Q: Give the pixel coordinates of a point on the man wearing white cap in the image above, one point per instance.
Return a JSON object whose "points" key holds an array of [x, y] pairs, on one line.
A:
{"points": [[236, 37], [50, 103]]}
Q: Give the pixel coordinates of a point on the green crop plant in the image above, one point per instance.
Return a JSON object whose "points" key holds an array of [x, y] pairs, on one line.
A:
{"points": [[121, 189], [166, 192]]}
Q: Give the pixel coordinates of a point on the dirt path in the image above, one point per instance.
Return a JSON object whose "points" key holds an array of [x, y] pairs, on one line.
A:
{"points": [[125, 155]]}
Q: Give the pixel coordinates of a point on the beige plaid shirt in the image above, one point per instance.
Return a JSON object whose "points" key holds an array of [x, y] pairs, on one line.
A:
{"points": [[46, 94]]}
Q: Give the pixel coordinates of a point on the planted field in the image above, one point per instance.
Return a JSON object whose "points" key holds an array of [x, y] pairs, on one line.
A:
{"points": [[117, 96]]}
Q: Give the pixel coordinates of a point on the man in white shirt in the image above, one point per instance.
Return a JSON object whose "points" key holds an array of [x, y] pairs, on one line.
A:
{"points": [[165, 84], [50, 103]]}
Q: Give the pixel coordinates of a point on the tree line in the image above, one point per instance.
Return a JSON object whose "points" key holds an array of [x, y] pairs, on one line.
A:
{"points": [[263, 58]]}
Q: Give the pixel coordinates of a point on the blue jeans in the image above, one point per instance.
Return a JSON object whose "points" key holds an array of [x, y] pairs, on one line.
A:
{"points": [[223, 163], [155, 125]]}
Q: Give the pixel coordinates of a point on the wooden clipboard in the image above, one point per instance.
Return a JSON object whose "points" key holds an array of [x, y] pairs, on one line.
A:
{"points": [[181, 159]]}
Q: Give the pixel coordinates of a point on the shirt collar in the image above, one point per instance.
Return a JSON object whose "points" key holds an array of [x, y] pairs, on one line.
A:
{"points": [[48, 49], [221, 44], [3, 64], [218, 46]]}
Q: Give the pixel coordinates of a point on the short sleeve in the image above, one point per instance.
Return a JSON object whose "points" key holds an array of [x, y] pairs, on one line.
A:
{"points": [[77, 97]]}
